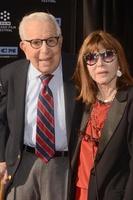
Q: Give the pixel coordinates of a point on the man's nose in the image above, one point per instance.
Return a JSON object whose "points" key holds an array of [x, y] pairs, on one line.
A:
{"points": [[44, 46]]}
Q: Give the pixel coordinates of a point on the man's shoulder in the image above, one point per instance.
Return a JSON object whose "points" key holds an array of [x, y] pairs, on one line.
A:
{"points": [[15, 63], [13, 68], [10, 67]]}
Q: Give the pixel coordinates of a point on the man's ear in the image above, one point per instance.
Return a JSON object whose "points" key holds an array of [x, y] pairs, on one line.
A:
{"points": [[22, 46]]}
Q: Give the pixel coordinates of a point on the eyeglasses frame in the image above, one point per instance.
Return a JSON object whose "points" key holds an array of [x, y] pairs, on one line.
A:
{"points": [[43, 40]]}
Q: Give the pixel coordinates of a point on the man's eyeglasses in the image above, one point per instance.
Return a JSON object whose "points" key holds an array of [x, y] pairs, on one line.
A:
{"points": [[92, 58], [37, 43]]}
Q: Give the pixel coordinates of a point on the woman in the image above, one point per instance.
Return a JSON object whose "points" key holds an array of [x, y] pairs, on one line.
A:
{"points": [[103, 157]]}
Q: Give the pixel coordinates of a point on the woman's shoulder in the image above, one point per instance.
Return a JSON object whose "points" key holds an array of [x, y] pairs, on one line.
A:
{"points": [[130, 89], [130, 92]]}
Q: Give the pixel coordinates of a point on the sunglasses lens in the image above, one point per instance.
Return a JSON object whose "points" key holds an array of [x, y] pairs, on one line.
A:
{"points": [[90, 58], [108, 56]]}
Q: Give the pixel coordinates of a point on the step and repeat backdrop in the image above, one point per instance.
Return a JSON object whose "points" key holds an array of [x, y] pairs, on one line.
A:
{"points": [[11, 13]]}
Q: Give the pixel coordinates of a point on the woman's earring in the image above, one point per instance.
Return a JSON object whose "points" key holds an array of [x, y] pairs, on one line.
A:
{"points": [[119, 73]]}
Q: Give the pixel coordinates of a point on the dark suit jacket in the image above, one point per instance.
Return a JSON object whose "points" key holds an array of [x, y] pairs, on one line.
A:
{"points": [[12, 107], [112, 176]]}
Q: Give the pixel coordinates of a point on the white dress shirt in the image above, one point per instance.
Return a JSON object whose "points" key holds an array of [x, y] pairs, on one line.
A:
{"points": [[32, 92]]}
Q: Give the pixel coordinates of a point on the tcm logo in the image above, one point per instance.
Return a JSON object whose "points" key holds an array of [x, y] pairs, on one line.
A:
{"points": [[5, 18], [8, 51]]}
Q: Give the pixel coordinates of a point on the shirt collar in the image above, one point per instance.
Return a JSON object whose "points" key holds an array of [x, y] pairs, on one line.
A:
{"points": [[33, 72]]}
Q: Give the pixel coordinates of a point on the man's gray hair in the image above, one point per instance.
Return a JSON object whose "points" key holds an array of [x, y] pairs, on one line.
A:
{"points": [[41, 16]]}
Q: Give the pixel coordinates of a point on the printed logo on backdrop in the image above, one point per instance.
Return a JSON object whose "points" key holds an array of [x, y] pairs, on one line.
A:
{"points": [[5, 22], [8, 51], [48, 1]]}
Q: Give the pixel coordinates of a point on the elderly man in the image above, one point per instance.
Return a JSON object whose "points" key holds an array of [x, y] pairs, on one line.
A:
{"points": [[36, 110]]}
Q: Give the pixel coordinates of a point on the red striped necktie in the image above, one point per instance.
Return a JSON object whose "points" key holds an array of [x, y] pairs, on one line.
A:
{"points": [[45, 136]]}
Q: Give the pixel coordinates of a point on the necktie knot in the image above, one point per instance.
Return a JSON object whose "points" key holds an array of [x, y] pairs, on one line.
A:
{"points": [[46, 79]]}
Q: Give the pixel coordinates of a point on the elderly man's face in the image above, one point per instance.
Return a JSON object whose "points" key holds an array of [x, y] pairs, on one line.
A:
{"points": [[45, 58]]}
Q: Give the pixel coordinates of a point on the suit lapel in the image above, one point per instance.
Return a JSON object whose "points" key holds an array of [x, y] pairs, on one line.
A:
{"points": [[80, 133], [69, 90], [20, 81], [85, 119], [69, 106], [113, 119]]}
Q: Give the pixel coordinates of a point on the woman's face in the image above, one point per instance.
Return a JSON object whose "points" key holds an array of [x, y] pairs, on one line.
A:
{"points": [[102, 66]]}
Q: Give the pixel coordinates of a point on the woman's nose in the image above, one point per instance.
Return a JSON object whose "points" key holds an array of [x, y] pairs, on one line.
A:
{"points": [[99, 61]]}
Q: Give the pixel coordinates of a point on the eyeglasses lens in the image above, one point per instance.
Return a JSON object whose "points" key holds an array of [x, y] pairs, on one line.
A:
{"points": [[91, 58], [36, 43], [108, 56], [51, 42]]}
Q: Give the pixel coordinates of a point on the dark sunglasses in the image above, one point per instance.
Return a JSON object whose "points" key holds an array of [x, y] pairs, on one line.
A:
{"points": [[92, 58]]}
